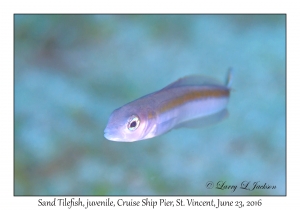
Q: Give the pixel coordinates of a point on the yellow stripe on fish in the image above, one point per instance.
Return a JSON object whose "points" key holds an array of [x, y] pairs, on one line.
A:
{"points": [[194, 95]]}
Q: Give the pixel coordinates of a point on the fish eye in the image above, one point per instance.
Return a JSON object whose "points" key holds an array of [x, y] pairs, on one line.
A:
{"points": [[133, 123]]}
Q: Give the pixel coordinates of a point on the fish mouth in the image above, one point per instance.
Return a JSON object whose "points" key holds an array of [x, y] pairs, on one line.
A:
{"points": [[110, 135], [111, 138]]}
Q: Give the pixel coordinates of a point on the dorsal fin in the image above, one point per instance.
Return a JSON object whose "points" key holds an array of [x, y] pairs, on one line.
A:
{"points": [[193, 80], [229, 78], [200, 80]]}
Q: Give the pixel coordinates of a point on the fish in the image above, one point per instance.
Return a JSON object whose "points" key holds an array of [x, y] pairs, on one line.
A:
{"points": [[187, 102]]}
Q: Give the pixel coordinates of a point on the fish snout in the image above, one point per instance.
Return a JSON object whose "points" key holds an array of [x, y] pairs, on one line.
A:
{"points": [[112, 134]]}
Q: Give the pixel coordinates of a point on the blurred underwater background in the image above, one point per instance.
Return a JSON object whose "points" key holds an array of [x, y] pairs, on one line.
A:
{"points": [[72, 71]]}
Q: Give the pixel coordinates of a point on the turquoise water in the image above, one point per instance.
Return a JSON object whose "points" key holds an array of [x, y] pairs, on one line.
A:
{"points": [[72, 71]]}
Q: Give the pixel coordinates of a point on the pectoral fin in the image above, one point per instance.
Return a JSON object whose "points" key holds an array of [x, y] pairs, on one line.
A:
{"points": [[204, 121]]}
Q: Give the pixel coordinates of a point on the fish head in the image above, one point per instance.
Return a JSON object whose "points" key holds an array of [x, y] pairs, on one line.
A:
{"points": [[129, 123]]}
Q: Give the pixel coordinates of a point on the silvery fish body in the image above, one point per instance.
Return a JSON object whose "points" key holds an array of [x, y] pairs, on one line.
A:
{"points": [[188, 99]]}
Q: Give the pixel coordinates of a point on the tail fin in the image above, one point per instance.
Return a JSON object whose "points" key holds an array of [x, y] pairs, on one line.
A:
{"points": [[229, 78]]}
